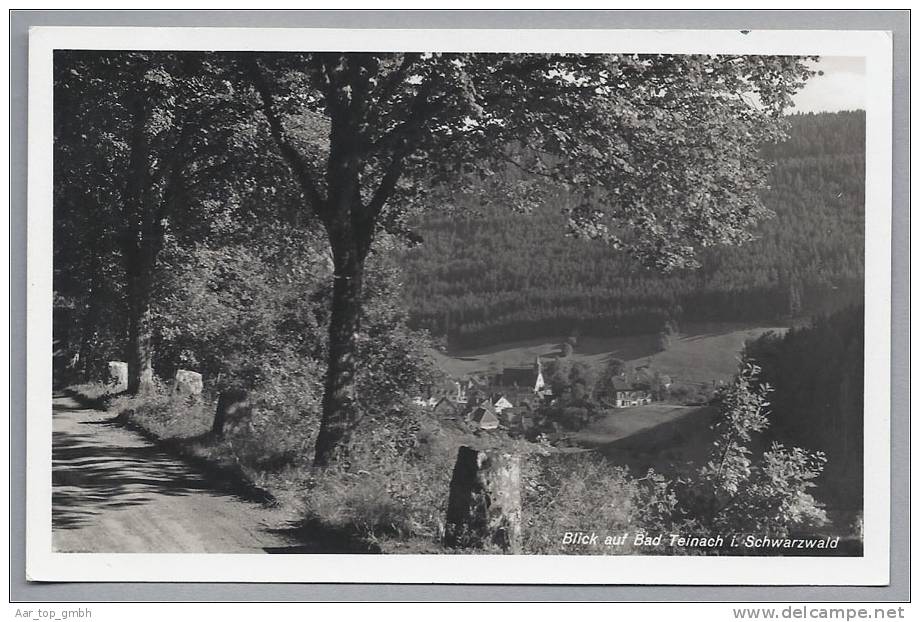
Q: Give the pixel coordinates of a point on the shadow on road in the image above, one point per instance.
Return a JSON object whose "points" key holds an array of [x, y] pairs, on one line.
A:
{"points": [[88, 478], [101, 465]]}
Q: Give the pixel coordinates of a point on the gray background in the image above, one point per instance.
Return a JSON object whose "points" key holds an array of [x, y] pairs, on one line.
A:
{"points": [[896, 21]]}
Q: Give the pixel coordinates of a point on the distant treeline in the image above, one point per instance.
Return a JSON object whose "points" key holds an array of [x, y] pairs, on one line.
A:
{"points": [[499, 275], [817, 374]]}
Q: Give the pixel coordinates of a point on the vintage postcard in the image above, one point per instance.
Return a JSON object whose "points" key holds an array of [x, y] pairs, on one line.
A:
{"points": [[459, 306]]}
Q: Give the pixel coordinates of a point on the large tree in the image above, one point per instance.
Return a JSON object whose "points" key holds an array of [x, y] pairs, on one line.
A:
{"points": [[656, 154], [137, 135]]}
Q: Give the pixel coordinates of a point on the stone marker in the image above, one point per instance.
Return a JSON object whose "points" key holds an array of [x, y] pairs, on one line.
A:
{"points": [[188, 383], [484, 506], [118, 375], [233, 409]]}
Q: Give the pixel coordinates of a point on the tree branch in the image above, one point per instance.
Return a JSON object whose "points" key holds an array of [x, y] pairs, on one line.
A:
{"points": [[290, 153], [420, 111], [387, 186], [501, 155]]}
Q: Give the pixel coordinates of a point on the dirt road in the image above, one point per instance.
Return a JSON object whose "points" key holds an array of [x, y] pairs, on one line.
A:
{"points": [[114, 492]]}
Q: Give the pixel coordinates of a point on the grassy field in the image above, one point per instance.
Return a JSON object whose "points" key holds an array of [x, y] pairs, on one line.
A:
{"points": [[625, 422], [658, 436], [703, 353]]}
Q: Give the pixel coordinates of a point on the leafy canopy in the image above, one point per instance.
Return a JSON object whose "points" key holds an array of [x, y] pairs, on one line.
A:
{"points": [[657, 154]]}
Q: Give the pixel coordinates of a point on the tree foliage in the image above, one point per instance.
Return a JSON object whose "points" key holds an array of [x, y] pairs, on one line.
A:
{"points": [[735, 494], [138, 136]]}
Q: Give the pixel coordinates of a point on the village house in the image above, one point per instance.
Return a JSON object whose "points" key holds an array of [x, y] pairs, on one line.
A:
{"points": [[456, 391], [484, 417], [626, 394], [500, 403], [481, 401], [511, 417]]}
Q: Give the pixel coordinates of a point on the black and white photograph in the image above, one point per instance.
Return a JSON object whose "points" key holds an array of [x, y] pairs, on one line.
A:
{"points": [[343, 299]]}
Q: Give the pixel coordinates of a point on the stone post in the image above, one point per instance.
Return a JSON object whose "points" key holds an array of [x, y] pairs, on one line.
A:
{"points": [[232, 406], [484, 506], [118, 375], [188, 383]]}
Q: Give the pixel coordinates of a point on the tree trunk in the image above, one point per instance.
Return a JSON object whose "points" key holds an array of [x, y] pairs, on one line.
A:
{"points": [[348, 221], [350, 229], [339, 409], [88, 334], [137, 252], [140, 330]]}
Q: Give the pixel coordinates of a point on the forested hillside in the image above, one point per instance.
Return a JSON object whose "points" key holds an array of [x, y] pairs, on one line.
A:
{"points": [[817, 374], [499, 275]]}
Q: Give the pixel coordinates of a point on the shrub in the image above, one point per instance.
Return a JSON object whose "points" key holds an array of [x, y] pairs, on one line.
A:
{"points": [[732, 493], [583, 492], [395, 485], [690, 393], [164, 415], [667, 335], [237, 311]]}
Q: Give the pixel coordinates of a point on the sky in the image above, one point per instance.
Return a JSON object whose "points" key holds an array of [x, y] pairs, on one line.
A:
{"points": [[842, 87]]}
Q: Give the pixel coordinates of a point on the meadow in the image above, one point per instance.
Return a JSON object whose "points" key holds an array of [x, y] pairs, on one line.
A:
{"points": [[703, 353]]}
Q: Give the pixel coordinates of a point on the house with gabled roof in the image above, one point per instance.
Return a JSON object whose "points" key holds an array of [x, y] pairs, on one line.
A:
{"points": [[626, 394], [500, 403], [483, 416]]}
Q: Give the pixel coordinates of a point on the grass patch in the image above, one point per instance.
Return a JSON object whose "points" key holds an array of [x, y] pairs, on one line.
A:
{"points": [[703, 352], [97, 395]]}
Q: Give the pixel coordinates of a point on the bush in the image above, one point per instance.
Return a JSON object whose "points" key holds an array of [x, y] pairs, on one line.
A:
{"points": [[239, 311], [732, 493], [395, 485], [254, 315], [667, 335], [690, 393], [164, 415], [583, 492], [270, 440]]}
